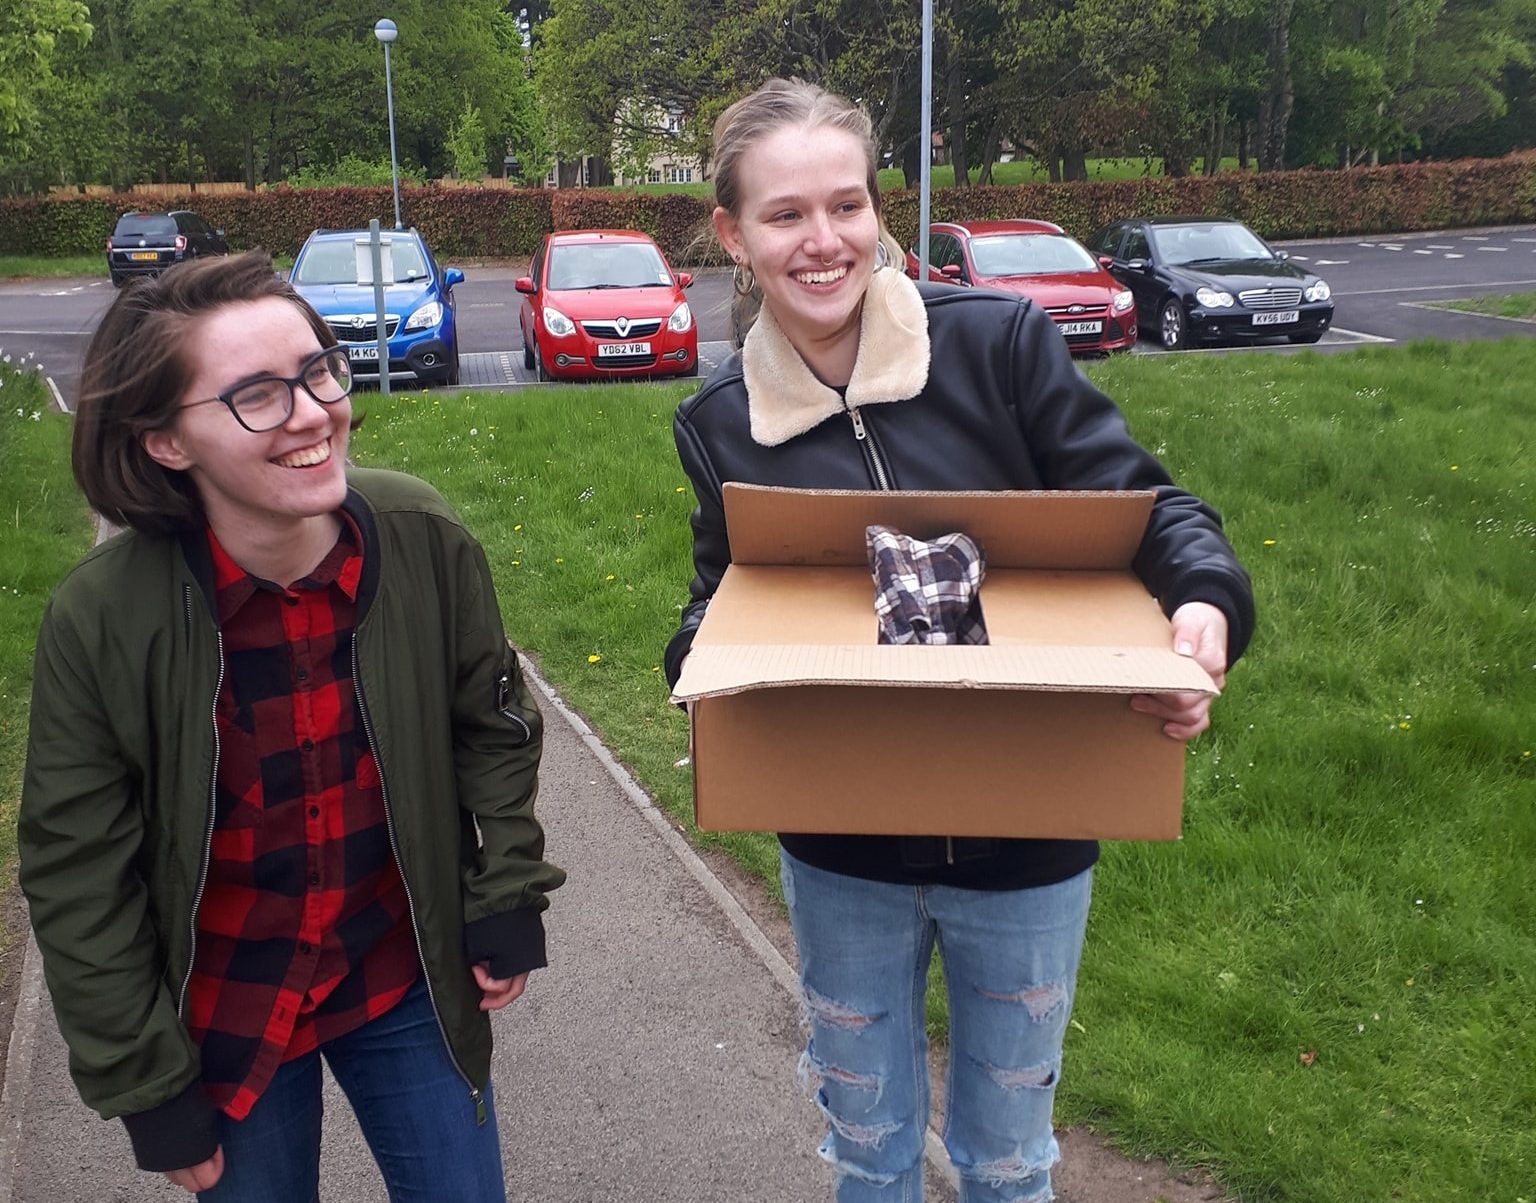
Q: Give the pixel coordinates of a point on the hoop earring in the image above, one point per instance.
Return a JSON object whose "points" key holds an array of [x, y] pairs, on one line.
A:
{"points": [[882, 256], [743, 281]]}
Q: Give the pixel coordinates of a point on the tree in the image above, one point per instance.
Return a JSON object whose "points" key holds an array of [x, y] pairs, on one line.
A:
{"points": [[466, 144], [31, 34]]}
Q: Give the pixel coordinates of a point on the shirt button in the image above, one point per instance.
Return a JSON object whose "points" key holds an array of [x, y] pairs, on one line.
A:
{"points": [[290, 600], [308, 745], [302, 674], [314, 879], [314, 812], [304, 949]]}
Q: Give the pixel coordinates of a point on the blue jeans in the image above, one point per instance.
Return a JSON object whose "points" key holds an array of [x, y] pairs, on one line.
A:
{"points": [[414, 1109], [1010, 963]]}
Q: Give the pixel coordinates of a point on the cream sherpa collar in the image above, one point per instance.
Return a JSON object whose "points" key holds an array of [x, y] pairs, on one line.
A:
{"points": [[784, 398]]}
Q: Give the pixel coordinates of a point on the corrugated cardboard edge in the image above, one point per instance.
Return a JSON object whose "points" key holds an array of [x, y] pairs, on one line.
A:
{"points": [[718, 670]]}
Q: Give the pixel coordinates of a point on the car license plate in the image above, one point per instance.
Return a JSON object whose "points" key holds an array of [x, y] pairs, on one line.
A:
{"points": [[613, 350], [142, 256], [1080, 327], [1276, 319], [368, 351]]}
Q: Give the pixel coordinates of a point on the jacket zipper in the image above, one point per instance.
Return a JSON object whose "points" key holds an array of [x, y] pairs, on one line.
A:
{"points": [[870, 446], [475, 1095], [213, 803], [874, 460]]}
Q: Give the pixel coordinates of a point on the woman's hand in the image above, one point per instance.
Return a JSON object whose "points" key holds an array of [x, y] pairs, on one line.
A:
{"points": [[1199, 630], [199, 1177], [498, 992]]}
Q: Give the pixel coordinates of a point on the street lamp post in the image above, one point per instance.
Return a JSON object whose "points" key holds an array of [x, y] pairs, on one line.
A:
{"points": [[386, 31]]}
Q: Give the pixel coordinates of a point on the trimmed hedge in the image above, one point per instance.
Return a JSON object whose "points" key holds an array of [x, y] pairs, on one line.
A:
{"points": [[486, 222]]}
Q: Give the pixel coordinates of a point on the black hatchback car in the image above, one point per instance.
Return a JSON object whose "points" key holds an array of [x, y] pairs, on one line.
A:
{"points": [[1210, 279], [148, 243]]}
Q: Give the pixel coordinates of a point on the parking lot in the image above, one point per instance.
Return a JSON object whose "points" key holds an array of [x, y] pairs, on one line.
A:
{"points": [[1381, 288]]}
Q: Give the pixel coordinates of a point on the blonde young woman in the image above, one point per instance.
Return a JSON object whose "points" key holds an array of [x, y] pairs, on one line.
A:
{"points": [[854, 377]]}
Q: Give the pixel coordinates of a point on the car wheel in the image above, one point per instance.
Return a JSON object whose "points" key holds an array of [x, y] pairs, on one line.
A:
{"points": [[1310, 337], [118, 281], [527, 352], [1173, 326], [538, 360], [453, 369]]}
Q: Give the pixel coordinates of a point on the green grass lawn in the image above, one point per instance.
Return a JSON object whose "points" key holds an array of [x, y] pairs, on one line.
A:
{"points": [[1520, 305], [19, 267], [1327, 990], [45, 529], [1354, 878]]}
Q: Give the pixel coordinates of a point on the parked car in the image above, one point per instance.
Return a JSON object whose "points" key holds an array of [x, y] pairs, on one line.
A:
{"points": [[145, 244], [1041, 261], [331, 273], [603, 304], [1210, 279]]}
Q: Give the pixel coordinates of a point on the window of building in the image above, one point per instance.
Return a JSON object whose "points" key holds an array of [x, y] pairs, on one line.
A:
{"points": [[679, 175]]}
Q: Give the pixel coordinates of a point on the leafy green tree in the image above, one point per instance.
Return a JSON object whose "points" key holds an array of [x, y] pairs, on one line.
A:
{"points": [[31, 35], [466, 144]]}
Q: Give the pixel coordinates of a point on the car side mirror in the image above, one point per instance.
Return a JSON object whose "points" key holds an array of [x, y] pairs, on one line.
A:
{"points": [[452, 276], [952, 270], [1282, 254], [685, 279], [1138, 265], [525, 284]]}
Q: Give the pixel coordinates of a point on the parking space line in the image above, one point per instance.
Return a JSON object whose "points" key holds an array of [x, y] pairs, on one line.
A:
{"points": [[1498, 317], [1359, 335], [1423, 252], [1499, 249], [1379, 292], [1445, 246], [1453, 255], [1474, 238]]}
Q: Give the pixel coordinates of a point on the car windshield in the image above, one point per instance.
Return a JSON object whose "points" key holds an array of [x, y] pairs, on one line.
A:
{"points": [[141, 225], [334, 261], [1029, 255], [607, 265], [1204, 241]]}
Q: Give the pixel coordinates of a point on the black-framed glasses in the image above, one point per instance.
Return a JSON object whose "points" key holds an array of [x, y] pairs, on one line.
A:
{"points": [[266, 402]]}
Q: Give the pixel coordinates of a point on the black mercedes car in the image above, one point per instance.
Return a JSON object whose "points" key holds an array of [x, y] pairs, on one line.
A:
{"points": [[145, 244], [1209, 279]]}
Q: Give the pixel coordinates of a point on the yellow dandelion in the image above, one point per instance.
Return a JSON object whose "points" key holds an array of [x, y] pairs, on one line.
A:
{"points": [[593, 659], [558, 560], [519, 526], [1455, 467], [1404, 726], [1269, 542], [679, 489], [515, 563], [609, 577]]}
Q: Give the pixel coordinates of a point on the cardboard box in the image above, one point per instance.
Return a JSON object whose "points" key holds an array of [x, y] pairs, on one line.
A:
{"points": [[802, 721]]}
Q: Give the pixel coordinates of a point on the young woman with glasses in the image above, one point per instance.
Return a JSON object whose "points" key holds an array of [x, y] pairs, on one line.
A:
{"points": [[278, 800]]}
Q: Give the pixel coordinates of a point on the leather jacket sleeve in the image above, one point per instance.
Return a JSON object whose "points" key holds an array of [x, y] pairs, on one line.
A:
{"points": [[711, 548]]}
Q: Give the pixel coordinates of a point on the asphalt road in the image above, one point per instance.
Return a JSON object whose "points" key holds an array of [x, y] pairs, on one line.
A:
{"points": [[1380, 286]]}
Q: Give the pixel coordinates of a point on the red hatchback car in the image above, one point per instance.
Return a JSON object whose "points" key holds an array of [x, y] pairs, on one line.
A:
{"points": [[1094, 311], [602, 304]]}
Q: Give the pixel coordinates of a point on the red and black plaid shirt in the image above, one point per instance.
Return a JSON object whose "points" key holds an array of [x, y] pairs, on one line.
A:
{"points": [[303, 933]]}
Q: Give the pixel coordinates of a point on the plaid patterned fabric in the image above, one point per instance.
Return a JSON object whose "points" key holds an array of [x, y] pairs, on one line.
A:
{"points": [[926, 592], [303, 933]]}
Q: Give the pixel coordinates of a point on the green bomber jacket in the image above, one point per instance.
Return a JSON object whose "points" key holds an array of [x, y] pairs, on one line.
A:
{"points": [[117, 797]]}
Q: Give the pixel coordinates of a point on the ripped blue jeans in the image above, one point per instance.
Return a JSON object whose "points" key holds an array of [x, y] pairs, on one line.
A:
{"points": [[1010, 962]]}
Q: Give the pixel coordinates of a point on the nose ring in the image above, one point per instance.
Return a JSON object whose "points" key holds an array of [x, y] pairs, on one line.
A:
{"points": [[828, 262]]}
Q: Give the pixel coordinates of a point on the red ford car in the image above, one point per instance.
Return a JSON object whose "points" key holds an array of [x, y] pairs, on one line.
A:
{"points": [[1094, 311], [602, 304]]}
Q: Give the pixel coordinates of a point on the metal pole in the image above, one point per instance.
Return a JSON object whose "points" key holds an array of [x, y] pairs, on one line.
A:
{"points": [[394, 168], [925, 172], [377, 252]]}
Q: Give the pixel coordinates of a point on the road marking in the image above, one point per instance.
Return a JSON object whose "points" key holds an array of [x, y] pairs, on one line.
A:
{"points": [[1370, 245], [1525, 240], [486, 305], [58, 398], [1499, 249], [1474, 238], [1446, 246], [1359, 336], [1378, 292], [1390, 246], [1441, 308], [1454, 255], [1331, 262], [1423, 252], [1299, 258]]}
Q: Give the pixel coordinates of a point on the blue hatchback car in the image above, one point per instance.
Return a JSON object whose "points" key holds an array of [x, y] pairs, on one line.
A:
{"points": [[418, 303]]}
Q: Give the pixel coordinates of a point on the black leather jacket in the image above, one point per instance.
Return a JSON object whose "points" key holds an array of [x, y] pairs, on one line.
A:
{"points": [[1004, 408]]}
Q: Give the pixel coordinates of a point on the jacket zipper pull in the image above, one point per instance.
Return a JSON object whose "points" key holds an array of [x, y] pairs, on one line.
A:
{"points": [[858, 424], [949, 848], [479, 1101]]}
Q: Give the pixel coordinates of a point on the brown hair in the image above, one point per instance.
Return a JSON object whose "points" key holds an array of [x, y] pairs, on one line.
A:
{"points": [[135, 373], [778, 103]]}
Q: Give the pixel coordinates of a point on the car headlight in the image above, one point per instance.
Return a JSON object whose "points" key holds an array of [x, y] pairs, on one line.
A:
{"points": [[1123, 300], [1212, 299], [557, 323], [427, 316], [681, 320], [1318, 291]]}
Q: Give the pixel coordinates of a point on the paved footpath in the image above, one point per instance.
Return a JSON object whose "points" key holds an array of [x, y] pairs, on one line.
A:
{"points": [[653, 1062]]}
